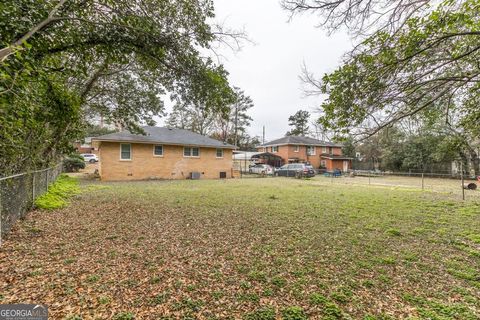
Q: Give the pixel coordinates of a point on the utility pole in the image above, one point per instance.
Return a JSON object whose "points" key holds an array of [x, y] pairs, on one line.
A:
{"points": [[263, 138], [236, 124]]}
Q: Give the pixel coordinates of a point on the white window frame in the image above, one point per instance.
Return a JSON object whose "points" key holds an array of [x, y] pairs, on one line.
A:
{"points": [[311, 153], [158, 155], [191, 152], [216, 153], [324, 149], [198, 155], [130, 151], [296, 148], [323, 163], [274, 149]]}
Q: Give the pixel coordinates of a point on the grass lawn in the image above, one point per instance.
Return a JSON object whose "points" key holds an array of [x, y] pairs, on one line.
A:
{"points": [[248, 249]]}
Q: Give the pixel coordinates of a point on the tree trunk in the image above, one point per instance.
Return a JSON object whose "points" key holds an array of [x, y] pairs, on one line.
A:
{"points": [[475, 161], [7, 51]]}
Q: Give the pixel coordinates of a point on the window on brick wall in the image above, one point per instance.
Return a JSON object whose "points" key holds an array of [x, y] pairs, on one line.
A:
{"points": [[125, 151], [191, 152], [311, 150], [219, 153], [158, 151], [296, 148], [275, 149]]}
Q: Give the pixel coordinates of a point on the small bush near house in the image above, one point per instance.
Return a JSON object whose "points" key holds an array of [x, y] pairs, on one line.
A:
{"points": [[58, 193], [73, 163]]}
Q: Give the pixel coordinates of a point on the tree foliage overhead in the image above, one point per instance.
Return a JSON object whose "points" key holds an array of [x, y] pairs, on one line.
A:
{"points": [[299, 124], [116, 59], [419, 59]]}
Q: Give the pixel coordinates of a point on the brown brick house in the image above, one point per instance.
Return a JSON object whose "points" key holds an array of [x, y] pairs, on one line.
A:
{"points": [[163, 153], [84, 146], [320, 154]]}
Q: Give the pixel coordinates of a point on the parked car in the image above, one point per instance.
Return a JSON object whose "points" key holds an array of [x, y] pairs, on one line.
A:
{"points": [[296, 170], [261, 169], [89, 157]]}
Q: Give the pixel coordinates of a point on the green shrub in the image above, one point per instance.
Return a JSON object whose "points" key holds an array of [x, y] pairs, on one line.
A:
{"points": [[73, 163], [58, 193]]}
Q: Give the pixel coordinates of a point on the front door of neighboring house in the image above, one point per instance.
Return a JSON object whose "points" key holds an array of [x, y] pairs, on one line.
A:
{"points": [[345, 165]]}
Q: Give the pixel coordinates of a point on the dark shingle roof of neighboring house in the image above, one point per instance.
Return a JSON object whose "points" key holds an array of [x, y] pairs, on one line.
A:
{"points": [[300, 141], [162, 135]]}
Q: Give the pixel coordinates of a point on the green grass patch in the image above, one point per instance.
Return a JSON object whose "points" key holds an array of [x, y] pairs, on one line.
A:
{"points": [[393, 232], [58, 194], [474, 237], [294, 313], [124, 316], [261, 314], [431, 309]]}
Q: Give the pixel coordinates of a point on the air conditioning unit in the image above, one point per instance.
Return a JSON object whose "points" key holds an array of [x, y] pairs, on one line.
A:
{"points": [[194, 175]]}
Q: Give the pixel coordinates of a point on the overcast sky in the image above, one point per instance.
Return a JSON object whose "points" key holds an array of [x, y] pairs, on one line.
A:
{"points": [[268, 70]]}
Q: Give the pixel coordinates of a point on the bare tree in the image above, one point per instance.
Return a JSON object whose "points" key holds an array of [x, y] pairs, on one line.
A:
{"points": [[359, 16]]}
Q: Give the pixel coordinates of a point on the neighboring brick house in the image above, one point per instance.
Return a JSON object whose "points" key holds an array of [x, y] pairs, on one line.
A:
{"points": [[84, 146], [163, 153], [320, 154]]}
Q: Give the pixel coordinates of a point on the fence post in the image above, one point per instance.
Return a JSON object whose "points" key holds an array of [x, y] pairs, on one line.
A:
{"points": [[33, 186], [463, 187], [423, 181], [46, 179]]}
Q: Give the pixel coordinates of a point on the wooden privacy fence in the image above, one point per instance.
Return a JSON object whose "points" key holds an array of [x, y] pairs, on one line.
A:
{"points": [[18, 193]]}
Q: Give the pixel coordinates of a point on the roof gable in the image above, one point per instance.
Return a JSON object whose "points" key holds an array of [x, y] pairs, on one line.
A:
{"points": [[163, 135]]}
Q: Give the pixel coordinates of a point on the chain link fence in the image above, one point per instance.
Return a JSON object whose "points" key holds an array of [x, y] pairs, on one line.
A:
{"points": [[18, 193], [464, 186]]}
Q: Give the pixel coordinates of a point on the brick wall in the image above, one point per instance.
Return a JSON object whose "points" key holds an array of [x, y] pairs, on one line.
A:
{"points": [[337, 164], [172, 165]]}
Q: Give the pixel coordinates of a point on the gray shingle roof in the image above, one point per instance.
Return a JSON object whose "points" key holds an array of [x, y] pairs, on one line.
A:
{"points": [[300, 141], [162, 135]]}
